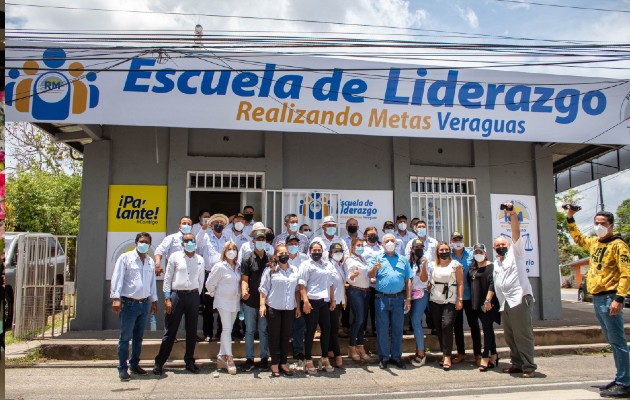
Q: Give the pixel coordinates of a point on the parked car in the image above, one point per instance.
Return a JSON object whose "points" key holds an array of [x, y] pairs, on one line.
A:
{"points": [[47, 246], [584, 295]]}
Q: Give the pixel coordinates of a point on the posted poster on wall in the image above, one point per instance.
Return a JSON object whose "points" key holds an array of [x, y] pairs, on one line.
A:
{"points": [[525, 207], [368, 207], [133, 209]]}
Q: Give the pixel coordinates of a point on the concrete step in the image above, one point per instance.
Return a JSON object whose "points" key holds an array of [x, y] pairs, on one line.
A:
{"points": [[106, 349]]}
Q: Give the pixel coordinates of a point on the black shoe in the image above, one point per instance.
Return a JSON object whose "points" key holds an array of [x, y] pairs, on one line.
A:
{"points": [[400, 364], [157, 370], [124, 375], [264, 364], [617, 391], [382, 364], [248, 366], [607, 386], [208, 339], [137, 370], [192, 368], [200, 339]]}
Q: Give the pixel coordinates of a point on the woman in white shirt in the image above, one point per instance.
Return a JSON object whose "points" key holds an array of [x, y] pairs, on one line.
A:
{"points": [[338, 274], [419, 297], [358, 294], [224, 284], [279, 297], [447, 295]]}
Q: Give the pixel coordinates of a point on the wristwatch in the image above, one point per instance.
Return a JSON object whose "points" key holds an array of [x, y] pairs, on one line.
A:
{"points": [[487, 301]]}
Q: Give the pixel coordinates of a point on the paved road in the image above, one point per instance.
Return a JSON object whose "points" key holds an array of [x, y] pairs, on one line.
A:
{"points": [[558, 377], [569, 294]]}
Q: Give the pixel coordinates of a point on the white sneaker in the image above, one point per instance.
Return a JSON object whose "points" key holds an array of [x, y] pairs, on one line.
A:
{"points": [[418, 361]]}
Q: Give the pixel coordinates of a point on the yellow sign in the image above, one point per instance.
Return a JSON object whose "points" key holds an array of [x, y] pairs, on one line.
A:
{"points": [[137, 208]]}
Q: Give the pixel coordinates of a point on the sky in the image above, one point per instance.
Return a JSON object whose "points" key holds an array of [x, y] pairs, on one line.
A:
{"points": [[431, 18]]}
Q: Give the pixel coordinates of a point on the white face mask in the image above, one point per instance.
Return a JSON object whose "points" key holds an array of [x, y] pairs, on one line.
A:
{"points": [[337, 256], [600, 230], [239, 226], [390, 246], [480, 257], [402, 226], [458, 245], [231, 254], [204, 220]]}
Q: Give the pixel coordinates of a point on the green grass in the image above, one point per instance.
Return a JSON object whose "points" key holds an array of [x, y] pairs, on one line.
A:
{"points": [[33, 356], [9, 339]]}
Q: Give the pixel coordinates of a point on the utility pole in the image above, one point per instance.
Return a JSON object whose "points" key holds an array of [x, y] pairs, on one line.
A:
{"points": [[601, 194]]}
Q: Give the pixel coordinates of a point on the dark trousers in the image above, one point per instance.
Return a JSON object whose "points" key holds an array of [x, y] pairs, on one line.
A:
{"points": [[280, 328], [208, 312], [299, 327], [371, 310], [473, 323], [333, 344], [182, 305], [319, 315], [345, 317], [487, 323], [443, 321]]}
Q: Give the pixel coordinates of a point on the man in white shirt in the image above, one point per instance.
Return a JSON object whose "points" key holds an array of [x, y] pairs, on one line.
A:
{"points": [[352, 232], [202, 218], [171, 244], [402, 233], [210, 244], [132, 290], [250, 246], [248, 215], [420, 229], [329, 236], [291, 229], [515, 295], [183, 282], [235, 231]]}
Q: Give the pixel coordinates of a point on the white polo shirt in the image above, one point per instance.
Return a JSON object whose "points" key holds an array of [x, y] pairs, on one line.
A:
{"points": [[511, 283]]}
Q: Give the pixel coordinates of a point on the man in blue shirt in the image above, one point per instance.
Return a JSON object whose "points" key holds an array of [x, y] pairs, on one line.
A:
{"points": [[465, 258], [393, 299]]}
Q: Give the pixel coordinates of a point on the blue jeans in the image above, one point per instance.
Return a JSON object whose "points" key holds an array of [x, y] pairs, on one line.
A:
{"points": [[358, 300], [389, 312], [612, 326], [299, 328], [253, 318], [133, 318], [417, 311]]}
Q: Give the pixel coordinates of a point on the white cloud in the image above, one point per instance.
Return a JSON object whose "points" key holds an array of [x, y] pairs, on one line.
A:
{"points": [[469, 16]]}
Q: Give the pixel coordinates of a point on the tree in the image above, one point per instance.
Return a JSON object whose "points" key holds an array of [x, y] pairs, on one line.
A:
{"points": [[566, 250], [623, 217]]}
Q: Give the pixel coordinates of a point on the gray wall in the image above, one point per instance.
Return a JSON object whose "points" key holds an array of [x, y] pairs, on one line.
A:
{"points": [[162, 156]]}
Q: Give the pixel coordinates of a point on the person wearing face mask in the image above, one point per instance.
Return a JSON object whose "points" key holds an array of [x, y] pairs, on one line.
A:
{"points": [[352, 231], [608, 280], [419, 297], [291, 229], [296, 259], [224, 284], [335, 264], [485, 303], [250, 246], [389, 228], [248, 216], [183, 281], [171, 244], [279, 304], [305, 230], [393, 300], [358, 293], [132, 290], [210, 242], [330, 236], [420, 230], [235, 231], [252, 269], [446, 297], [372, 248], [515, 296], [202, 218], [465, 258], [318, 295], [402, 233]]}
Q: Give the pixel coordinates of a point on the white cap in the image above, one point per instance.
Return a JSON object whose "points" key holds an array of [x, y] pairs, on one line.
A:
{"points": [[329, 219]]}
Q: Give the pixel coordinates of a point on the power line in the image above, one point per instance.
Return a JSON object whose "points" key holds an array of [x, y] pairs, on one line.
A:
{"points": [[563, 6]]}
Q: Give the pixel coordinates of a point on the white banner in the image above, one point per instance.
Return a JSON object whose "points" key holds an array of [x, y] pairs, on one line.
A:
{"points": [[525, 206], [309, 94], [122, 242]]}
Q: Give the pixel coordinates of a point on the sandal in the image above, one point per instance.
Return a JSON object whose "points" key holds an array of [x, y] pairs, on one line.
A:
{"points": [[276, 373], [484, 365], [494, 361], [446, 366], [286, 371], [352, 353], [325, 366], [310, 370], [361, 351], [419, 360]]}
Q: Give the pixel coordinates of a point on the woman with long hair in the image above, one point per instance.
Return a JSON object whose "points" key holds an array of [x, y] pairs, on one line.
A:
{"points": [[419, 297], [358, 292]]}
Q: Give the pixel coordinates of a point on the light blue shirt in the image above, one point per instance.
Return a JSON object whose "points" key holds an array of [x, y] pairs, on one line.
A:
{"points": [[394, 270], [465, 261], [171, 244], [279, 288], [302, 244], [317, 279], [132, 278]]}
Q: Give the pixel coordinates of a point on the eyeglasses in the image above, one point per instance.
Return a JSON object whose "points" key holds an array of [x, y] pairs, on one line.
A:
{"points": [[189, 240]]}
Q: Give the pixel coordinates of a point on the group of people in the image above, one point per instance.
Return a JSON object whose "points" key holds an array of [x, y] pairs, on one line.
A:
{"points": [[290, 287]]}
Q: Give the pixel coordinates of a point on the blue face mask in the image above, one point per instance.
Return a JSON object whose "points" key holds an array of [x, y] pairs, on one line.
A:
{"points": [[143, 247], [190, 246], [260, 245], [422, 232], [293, 227], [331, 230], [359, 250], [185, 229], [293, 249], [389, 231]]}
